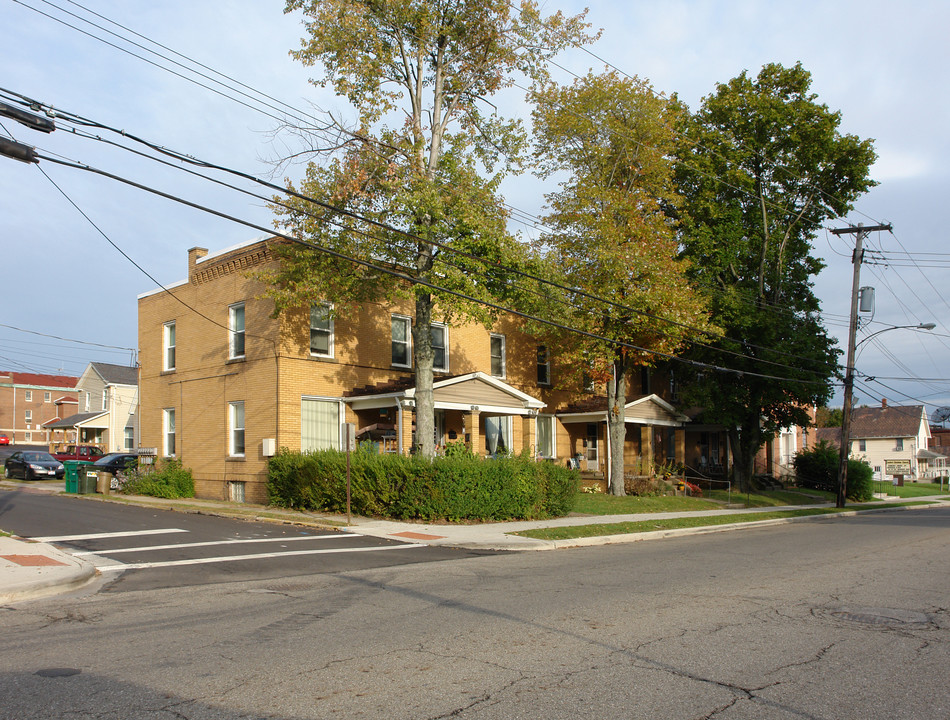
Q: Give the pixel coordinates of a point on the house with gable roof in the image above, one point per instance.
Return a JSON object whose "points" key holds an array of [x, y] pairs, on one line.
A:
{"points": [[893, 439], [106, 409]]}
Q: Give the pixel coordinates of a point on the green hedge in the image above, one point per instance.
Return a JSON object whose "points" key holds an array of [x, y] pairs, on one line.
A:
{"points": [[817, 468], [458, 487], [168, 479]]}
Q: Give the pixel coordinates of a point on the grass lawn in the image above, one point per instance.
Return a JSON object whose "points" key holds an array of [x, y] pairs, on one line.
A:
{"points": [[639, 526], [772, 498], [606, 504], [911, 490]]}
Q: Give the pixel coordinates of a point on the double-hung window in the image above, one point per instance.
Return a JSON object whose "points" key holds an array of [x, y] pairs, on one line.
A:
{"points": [[402, 341], [47, 397], [440, 347], [236, 331], [236, 429], [28, 395], [28, 416], [168, 432], [900, 444], [544, 366], [498, 356], [321, 330], [168, 346]]}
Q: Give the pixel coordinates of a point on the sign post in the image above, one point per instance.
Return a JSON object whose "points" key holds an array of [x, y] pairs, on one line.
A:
{"points": [[350, 447]]}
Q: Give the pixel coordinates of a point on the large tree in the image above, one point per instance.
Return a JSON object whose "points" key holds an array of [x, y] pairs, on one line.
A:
{"points": [[418, 172], [764, 166], [610, 139]]}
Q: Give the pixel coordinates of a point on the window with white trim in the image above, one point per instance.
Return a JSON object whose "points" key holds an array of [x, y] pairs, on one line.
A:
{"points": [[321, 330], [236, 429], [168, 346], [319, 424], [47, 397], [236, 331], [544, 365], [28, 416], [440, 347], [545, 436], [498, 356], [28, 395], [497, 434], [129, 439], [900, 444], [168, 432], [401, 341]]}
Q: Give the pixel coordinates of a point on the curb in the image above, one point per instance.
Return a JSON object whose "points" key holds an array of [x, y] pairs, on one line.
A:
{"points": [[80, 573]]}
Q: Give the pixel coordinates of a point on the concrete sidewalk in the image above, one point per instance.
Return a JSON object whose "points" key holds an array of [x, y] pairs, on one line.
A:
{"points": [[29, 570]]}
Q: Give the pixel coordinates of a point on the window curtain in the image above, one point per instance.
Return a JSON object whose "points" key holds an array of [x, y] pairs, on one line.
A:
{"points": [[319, 425], [497, 434], [545, 436]]}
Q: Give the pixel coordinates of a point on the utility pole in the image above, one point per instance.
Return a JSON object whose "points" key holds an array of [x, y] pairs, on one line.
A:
{"points": [[857, 258]]}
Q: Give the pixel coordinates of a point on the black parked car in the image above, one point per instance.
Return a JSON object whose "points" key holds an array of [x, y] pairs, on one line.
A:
{"points": [[114, 462], [31, 464]]}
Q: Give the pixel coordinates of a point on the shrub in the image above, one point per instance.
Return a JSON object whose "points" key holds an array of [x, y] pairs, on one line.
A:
{"points": [[167, 479], [860, 477], [817, 468], [459, 486]]}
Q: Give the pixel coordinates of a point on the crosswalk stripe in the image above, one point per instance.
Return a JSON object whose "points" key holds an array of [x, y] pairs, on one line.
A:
{"points": [[146, 548], [234, 558], [97, 536]]}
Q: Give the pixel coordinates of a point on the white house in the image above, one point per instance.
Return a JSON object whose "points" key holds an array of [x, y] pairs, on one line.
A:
{"points": [[107, 402]]}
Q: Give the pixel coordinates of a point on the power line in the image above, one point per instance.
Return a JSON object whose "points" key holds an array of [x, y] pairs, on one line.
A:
{"points": [[414, 280]]}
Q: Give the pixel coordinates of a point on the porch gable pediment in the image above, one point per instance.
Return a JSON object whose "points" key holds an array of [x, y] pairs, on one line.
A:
{"points": [[463, 392]]}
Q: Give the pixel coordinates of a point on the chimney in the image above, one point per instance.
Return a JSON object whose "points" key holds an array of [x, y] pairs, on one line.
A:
{"points": [[883, 402], [194, 254]]}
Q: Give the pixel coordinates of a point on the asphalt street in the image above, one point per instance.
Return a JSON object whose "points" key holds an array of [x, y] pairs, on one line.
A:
{"points": [[840, 618], [142, 548]]}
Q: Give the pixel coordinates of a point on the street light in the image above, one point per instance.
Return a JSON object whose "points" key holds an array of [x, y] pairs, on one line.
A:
{"points": [[853, 351], [919, 326]]}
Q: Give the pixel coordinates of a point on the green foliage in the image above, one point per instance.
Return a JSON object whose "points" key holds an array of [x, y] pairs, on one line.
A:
{"points": [[817, 468], [826, 417], [168, 479], [390, 193], [612, 140], [459, 486], [764, 168]]}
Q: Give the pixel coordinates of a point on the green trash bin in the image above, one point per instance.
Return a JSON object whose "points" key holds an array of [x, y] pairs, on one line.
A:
{"points": [[86, 481], [72, 475]]}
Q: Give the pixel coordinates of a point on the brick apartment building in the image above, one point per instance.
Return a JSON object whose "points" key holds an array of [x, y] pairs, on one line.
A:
{"points": [[29, 400], [224, 384]]}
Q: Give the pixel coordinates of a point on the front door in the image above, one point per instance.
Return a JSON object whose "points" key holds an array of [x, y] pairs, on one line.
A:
{"points": [[593, 451]]}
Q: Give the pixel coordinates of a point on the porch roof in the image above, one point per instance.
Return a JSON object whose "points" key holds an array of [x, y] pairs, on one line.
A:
{"points": [[644, 410], [97, 420], [472, 392]]}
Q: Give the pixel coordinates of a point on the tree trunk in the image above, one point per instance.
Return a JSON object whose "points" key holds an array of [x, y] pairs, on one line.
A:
{"points": [[744, 443], [616, 425], [423, 357]]}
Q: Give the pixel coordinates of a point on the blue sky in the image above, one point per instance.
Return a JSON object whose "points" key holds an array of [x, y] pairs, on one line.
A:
{"points": [[883, 68]]}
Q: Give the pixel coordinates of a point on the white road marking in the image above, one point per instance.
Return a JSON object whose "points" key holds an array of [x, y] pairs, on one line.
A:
{"points": [[233, 558], [96, 536], [146, 548]]}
